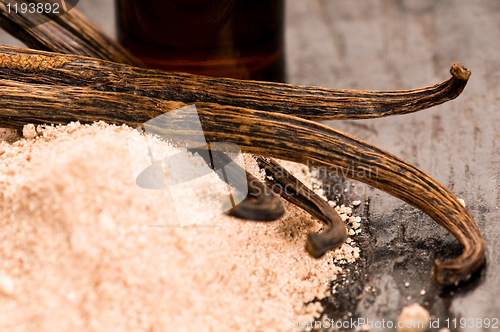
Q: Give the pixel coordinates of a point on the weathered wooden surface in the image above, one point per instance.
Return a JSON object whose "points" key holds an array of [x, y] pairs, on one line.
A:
{"points": [[393, 45], [389, 44]]}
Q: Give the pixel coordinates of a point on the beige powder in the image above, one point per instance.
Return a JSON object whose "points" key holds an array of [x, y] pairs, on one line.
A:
{"points": [[84, 249], [413, 318]]}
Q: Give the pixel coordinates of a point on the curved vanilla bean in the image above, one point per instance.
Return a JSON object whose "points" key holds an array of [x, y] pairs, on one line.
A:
{"points": [[260, 203], [313, 142], [306, 102], [262, 132], [297, 193], [71, 33]]}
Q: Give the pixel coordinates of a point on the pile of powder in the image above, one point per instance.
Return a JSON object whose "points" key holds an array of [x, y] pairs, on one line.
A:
{"points": [[85, 249]]}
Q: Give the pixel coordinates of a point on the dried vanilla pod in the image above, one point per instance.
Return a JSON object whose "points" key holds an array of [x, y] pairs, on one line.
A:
{"points": [[301, 101], [71, 33], [297, 193], [260, 203]]}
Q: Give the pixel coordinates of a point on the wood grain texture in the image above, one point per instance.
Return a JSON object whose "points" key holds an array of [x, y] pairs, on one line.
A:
{"points": [[384, 45]]}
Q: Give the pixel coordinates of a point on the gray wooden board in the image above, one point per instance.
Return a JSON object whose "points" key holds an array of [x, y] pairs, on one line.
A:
{"points": [[404, 44], [391, 44]]}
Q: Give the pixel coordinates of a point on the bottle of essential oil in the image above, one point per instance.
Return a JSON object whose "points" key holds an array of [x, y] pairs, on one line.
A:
{"points": [[226, 38]]}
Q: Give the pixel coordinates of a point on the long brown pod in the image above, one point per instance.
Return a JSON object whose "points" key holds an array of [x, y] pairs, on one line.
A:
{"points": [[297, 193], [261, 132], [305, 102], [353, 104], [260, 203], [71, 33]]}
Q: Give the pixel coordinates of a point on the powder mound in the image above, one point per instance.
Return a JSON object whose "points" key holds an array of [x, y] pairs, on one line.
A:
{"points": [[84, 248]]}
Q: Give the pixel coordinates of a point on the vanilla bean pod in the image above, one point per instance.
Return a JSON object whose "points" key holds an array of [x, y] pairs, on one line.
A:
{"points": [[265, 133], [71, 33], [305, 102], [260, 204], [297, 193]]}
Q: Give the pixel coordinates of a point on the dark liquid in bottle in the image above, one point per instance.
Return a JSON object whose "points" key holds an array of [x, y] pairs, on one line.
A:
{"points": [[229, 38]]}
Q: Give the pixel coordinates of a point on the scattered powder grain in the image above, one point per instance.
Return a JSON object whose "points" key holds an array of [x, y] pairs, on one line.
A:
{"points": [[29, 131], [413, 318], [85, 249], [8, 134]]}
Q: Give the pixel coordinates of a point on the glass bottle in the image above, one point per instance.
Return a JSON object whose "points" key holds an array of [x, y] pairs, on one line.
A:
{"points": [[226, 38]]}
